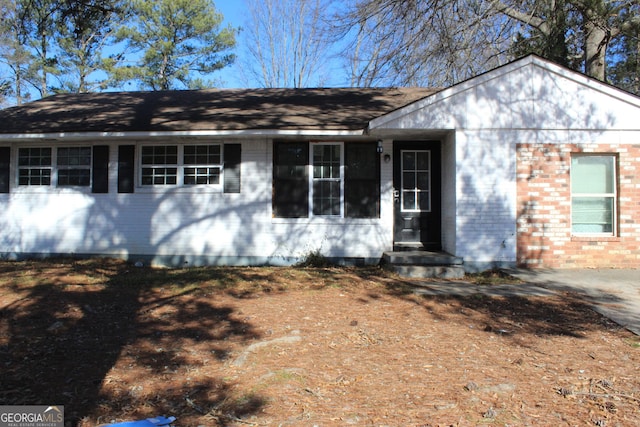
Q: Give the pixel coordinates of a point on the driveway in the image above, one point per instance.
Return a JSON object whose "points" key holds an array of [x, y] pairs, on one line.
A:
{"points": [[615, 292]]}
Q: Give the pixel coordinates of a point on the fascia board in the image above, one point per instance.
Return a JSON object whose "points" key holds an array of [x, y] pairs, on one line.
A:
{"points": [[68, 136]]}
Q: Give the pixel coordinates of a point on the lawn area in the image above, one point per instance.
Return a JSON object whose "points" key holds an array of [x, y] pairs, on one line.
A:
{"points": [[304, 346]]}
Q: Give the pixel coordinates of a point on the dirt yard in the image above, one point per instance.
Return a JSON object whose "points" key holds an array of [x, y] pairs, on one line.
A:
{"points": [[303, 347]]}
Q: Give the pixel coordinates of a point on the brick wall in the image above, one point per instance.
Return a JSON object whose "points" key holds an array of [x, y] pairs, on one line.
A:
{"points": [[544, 236]]}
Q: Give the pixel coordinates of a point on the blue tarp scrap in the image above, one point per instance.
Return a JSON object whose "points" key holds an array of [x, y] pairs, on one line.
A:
{"points": [[149, 422]]}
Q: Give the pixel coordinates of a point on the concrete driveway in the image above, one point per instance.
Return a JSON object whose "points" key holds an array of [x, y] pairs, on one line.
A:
{"points": [[615, 293]]}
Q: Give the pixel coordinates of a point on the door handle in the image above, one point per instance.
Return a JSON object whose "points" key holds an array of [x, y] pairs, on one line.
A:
{"points": [[396, 197]]}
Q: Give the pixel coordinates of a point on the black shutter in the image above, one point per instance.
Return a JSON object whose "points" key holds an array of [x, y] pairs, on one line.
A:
{"points": [[100, 181], [290, 180], [5, 161], [126, 168], [232, 159], [362, 180]]}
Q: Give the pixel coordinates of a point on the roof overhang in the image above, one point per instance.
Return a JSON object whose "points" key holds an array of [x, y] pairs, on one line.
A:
{"points": [[102, 136]]}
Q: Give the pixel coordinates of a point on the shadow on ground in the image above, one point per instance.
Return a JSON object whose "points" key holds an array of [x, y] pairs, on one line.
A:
{"points": [[73, 321]]}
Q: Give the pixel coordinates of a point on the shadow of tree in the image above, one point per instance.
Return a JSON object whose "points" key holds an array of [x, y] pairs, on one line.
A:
{"points": [[72, 322], [510, 310]]}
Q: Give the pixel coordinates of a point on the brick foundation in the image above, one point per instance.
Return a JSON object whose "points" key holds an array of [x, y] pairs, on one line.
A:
{"points": [[544, 209]]}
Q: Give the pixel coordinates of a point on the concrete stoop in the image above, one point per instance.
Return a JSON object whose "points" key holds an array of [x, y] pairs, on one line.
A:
{"points": [[424, 264]]}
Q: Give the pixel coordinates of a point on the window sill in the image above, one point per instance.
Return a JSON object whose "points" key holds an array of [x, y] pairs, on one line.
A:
{"points": [[162, 189], [317, 220], [49, 189], [595, 238]]}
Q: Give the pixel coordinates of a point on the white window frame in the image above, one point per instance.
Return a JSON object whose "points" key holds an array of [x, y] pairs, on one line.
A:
{"points": [[180, 165], [613, 196], [88, 167], [49, 167], [312, 180]]}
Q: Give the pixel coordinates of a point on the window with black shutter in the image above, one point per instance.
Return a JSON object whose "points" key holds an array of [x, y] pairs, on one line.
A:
{"points": [[362, 181], [290, 180], [345, 180], [232, 159], [126, 168], [5, 161], [100, 181]]}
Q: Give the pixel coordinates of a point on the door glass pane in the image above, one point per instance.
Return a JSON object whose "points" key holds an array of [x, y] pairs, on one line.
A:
{"points": [[409, 201], [408, 180], [416, 181], [408, 160], [423, 160], [423, 180]]}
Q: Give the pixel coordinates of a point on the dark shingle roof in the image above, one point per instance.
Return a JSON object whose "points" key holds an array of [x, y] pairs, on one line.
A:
{"points": [[214, 110]]}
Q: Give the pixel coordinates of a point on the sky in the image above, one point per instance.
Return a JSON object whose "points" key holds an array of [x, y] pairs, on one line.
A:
{"points": [[232, 10], [235, 14]]}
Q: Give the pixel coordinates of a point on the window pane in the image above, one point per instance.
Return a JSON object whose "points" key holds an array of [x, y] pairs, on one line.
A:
{"points": [[423, 181], [592, 174], [159, 176], [326, 161], [74, 156], [34, 176], [408, 180], [422, 160], [195, 176], [202, 154], [326, 198], [34, 157], [409, 160], [409, 202], [75, 177], [592, 214], [160, 155]]}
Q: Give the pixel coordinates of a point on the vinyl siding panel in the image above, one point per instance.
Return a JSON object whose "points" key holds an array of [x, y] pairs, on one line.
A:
{"points": [[180, 226]]}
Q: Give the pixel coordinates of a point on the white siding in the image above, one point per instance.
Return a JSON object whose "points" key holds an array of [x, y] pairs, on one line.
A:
{"points": [[480, 121], [180, 225], [527, 101]]}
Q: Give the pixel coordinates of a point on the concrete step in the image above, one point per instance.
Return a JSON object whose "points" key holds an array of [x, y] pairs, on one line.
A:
{"points": [[428, 271], [424, 264], [420, 258]]}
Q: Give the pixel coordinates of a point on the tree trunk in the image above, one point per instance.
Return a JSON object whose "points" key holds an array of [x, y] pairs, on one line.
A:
{"points": [[597, 38]]}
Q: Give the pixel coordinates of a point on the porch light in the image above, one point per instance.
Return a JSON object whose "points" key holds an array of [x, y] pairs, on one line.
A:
{"points": [[379, 146]]}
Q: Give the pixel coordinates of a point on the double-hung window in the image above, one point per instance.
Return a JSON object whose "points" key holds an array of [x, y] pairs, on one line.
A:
{"points": [[593, 194], [202, 164], [74, 166], [326, 179], [326, 188], [181, 164], [34, 166], [160, 165]]}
